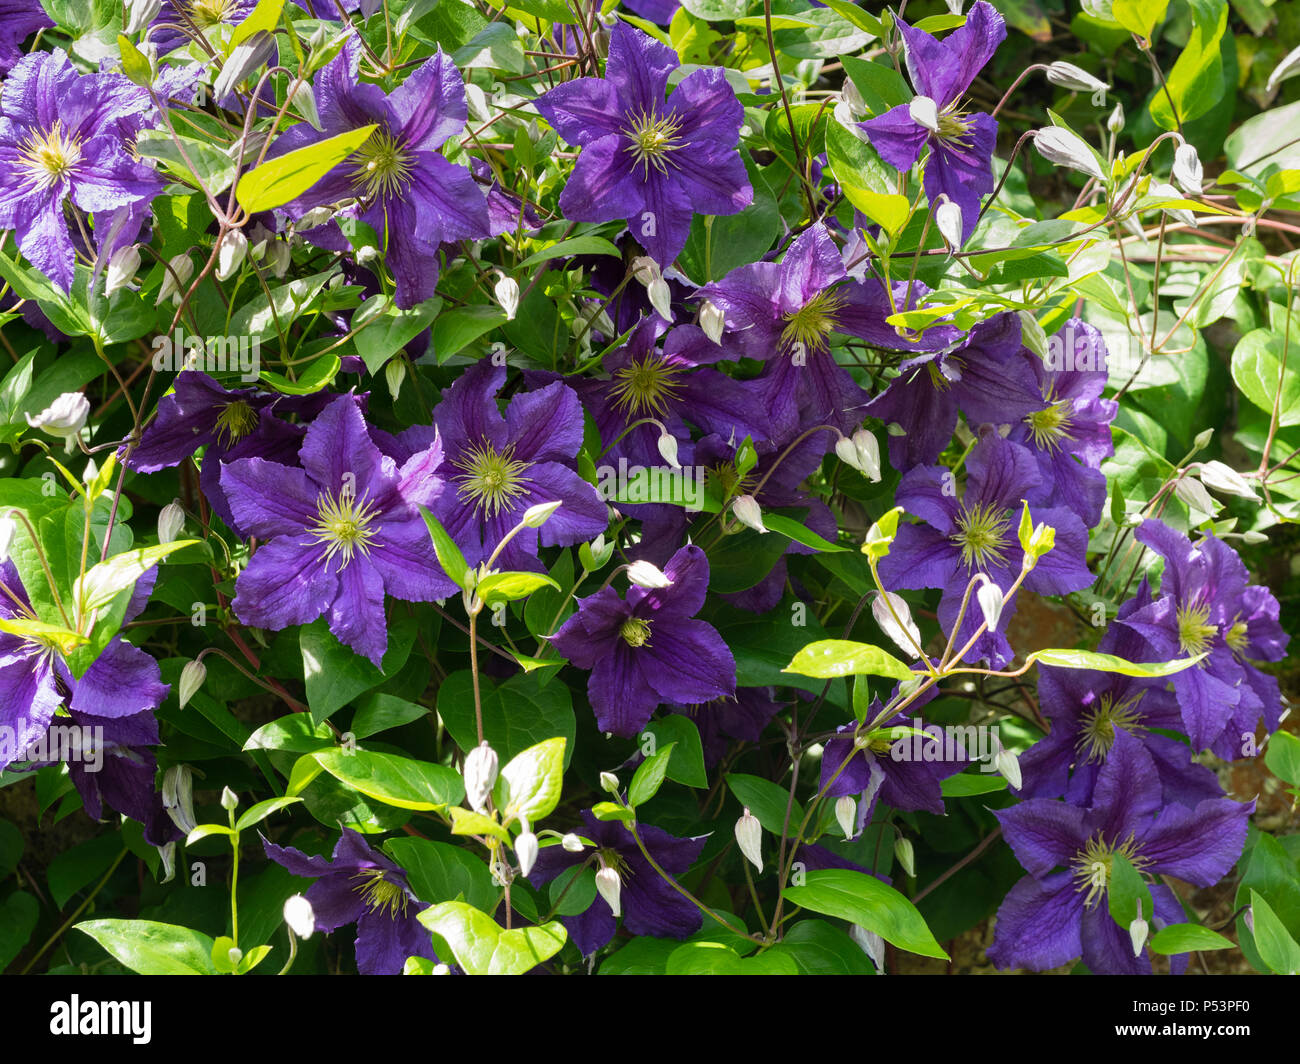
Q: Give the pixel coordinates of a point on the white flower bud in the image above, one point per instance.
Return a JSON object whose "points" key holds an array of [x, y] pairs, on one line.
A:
{"points": [[178, 797], [536, 516], [1074, 78], [230, 256], [192, 677], [1115, 121], [645, 270], [506, 291], [139, 14], [898, 624], [1249, 917], [8, 529], [712, 321], [924, 112], [668, 449], [234, 955], [1224, 478], [179, 270], [906, 855], [610, 887], [1032, 334], [571, 843], [947, 218], [300, 916], [1202, 440], [990, 599], [480, 773], [648, 575], [65, 417], [1192, 492], [441, 969], [171, 519], [229, 800], [661, 298], [394, 376], [1137, 931], [526, 851], [121, 269], [1287, 68], [853, 98], [748, 513], [167, 852], [1007, 764], [749, 837], [846, 813], [609, 782], [304, 99], [870, 943], [279, 258], [1063, 148], [862, 452], [313, 219], [1188, 172], [1252, 538]]}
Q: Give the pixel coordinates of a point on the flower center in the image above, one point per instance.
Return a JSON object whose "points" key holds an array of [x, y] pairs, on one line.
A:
{"points": [[49, 157], [236, 420], [491, 480], [652, 138], [208, 13], [981, 535], [1097, 731], [812, 323], [383, 166], [955, 126], [635, 632], [1050, 426], [380, 894], [645, 387], [1092, 865], [611, 858], [1194, 634], [1237, 636], [343, 525]]}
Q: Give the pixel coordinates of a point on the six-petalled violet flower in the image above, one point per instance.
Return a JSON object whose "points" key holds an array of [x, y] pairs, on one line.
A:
{"points": [[652, 161], [649, 648], [960, 164]]}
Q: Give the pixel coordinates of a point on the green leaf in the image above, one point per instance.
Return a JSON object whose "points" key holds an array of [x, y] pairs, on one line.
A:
{"points": [[795, 530], [335, 675], [1091, 659], [829, 658], [649, 776], [134, 64], [79, 866], [381, 712], [438, 871], [888, 210], [467, 822], [393, 780], [506, 587], [715, 958], [482, 947], [516, 714], [279, 180], [531, 781], [449, 554], [210, 165], [1276, 947], [717, 10], [578, 245], [687, 763], [819, 948], [1257, 369], [1283, 757], [1124, 887], [105, 580], [456, 329], [261, 811], [151, 948], [864, 900], [263, 17], [382, 332], [1187, 938], [295, 733], [18, 915], [1196, 82], [766, 800], [966, 784], [1139, 16]]}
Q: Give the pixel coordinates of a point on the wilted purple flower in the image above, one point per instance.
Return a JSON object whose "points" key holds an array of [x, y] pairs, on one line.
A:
{"points": [[1051, 917], [411, 196], [961, 144], [61, 137], [1087, 709], [499, 466], [1206, 606], [358, 884], [649, 649], [652, 162], [344, 529], [985, 377], [976, 533], [650, 905]]}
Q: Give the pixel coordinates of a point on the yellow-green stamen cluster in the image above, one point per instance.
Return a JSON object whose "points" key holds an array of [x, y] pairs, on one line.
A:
{"points": [[652, 138], [982, 535], [955, 126], [343, 525], [383, 166], [635, 632], [1100, 723], [49, 157], [381, 895], [1050, 426], [1194, 634], [645, 388], [236, 420], [812, 324], [490, 480], [1237, 636], [612, 859], [1092, 865]]}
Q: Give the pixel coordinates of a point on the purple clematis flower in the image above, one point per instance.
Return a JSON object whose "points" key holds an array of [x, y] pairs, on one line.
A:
{"points": [[961, 144], [359, 885], [411, 196], [787, 313], [649, 649], [986, 378], [1058, 912], [1087, 709], [1070, 435], [19, 19], [650, 906], [344, 529], [651, 161], [1206, 606], [724, 720], [63, 136], [976, 534], [499, 466]]}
